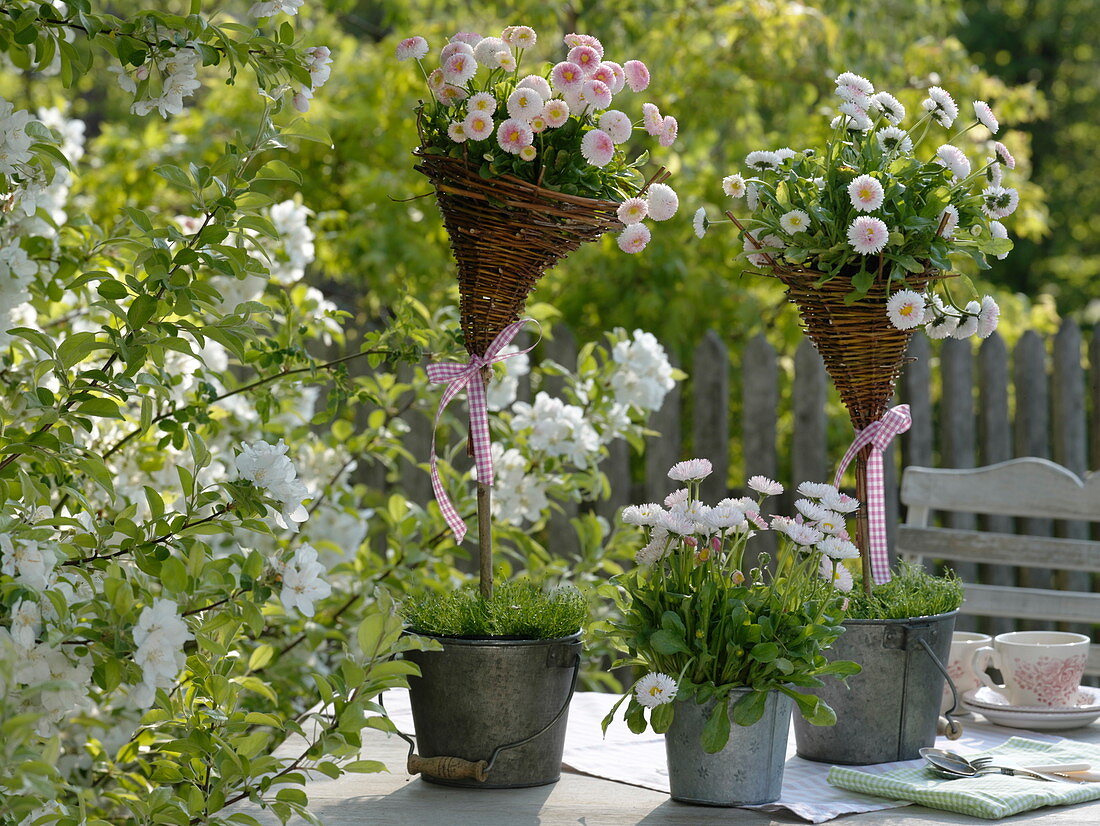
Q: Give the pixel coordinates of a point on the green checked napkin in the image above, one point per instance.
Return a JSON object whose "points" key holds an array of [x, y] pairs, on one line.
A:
{"points": [[991, 796]]}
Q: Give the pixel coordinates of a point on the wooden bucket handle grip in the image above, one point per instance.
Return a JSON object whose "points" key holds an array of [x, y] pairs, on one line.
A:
{"points": [[448, 768], [949, 727]]}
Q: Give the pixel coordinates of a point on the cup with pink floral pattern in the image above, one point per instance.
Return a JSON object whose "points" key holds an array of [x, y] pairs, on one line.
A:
{"points": [[1040, 668], [963, 646]]}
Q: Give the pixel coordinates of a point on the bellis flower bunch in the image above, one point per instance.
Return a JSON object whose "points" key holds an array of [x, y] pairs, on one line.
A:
{"points": [[873, 206], [559, 127], [703, 620]]}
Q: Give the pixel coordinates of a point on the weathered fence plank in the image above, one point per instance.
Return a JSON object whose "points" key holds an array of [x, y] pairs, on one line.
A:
{"points": [[1032, 435], [759, 401], [1094, 387], [809, 444], [711, 412], [916, 391], [562, 348], [957, 427], [663, 451], [995, 445]]}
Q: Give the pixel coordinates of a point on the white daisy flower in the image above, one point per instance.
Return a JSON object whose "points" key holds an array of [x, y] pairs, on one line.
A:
{"points": [[456, 132], [487, 51], [655, 689], [654, 550], [412, 48], [785, 154], [761, 160], [988, 317], [617, 124], [866, 193], [699, 222], [764, 485], [802, 534], [948, 221], [942, 106], [868, 235], [811, 510], [632, 210], [890, 107], [838, 575], [663, 202], [994, 172], [815, 490], [997, 230], [906, 309], [752, 196], [794, 221], [538, 83], [1000, 151], [556, 113], [834, 500], [832, 523], [648, 514], [954, 159], [528, 153], [525, 103], [482, 102], [835, 547], [692, 470], [892, 139], [634, 238], [852, 124], [851, 87], [968, 325], [677, 497], [478, 126], [734, 186], [943, 324], [999, 202], [985, 116], [768, 246]]}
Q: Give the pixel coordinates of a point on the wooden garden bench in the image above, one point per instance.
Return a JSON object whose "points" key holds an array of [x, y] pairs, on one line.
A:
{"points": [[1029, 488]]}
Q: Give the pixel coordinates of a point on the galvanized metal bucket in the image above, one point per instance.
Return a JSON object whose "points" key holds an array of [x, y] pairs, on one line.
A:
{"points": [[889, 710], [500, 705], [748, 771]]}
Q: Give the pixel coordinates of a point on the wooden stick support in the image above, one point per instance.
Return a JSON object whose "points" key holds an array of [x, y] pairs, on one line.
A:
{"points": [[863, 525], [449, 768], [485, 538]]}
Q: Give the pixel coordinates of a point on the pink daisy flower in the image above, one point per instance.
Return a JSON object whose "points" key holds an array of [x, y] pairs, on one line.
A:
{"points": [[632, 210], [620, 76], [524, 104], [556, 112], [652, 120], [450, 95], [573, 40], [457, 132], [949, 219], [985, 116], [436, 81], [1003, 155], [868, 235], [469, 38], [566, 76], [634, 238], [412, 48], [637, 75], [513, 135], [478, 125], [521, 37], [606, 75], [538, 83], [669, 129], [597, 147], [455, 48], [596, 94], [865, 193], [459, 68], [528, 153], [586, 57]]}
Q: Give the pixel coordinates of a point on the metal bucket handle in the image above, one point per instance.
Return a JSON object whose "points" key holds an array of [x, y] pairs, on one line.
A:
{"points": [[458, 768], [947, 725]]}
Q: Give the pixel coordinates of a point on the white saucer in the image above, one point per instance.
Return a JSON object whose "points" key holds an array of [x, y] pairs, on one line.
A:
{"points": [[999, 710]]}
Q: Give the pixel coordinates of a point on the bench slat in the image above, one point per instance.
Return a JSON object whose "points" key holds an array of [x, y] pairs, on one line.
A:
{"points": [[1031, 603], [999, 548]]}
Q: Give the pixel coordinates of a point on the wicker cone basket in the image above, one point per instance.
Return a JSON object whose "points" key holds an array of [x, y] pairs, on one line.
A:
{"points": [[505, 233]]}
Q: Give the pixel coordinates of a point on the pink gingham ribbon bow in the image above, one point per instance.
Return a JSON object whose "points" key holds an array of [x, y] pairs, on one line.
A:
{"points": [[878, 435], [457, 375]]}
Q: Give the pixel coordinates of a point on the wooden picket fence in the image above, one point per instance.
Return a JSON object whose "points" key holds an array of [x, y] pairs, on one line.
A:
{"points": [[972, 404]]}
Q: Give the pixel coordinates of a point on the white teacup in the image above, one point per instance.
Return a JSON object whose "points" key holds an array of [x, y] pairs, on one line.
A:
{"points": [[1040, 668], [963, 646]]}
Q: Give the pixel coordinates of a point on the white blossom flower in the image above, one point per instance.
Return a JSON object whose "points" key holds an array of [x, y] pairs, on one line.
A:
{"points": [[794, 221], [663, 202], [502, 390], [998, 230], [954, 159], [597, 147], [677, 497], [557, 429], [905, 309], [1003, 156], [801, 533], [855, 89], [835, 547], [268, 467], [834, 500], [943, 323], [692, 470], [893, 139], [643, 374], [752, 196], [26, 622], [999, 202], [648, 514], [655, 689], [734, 186], [985, 116], [816, 490], [617, 124], [832, 523], [759, 253], [941, 106], [654, 550], [988, 317], [160, 635], [890, 107], [487, 51], [632, 210], [29, 562], [303, 581], [269, 8], [835, 573], [456, 132], [634, 238], [699, 222], [865, 193], [15, 143], [764, 485], [868, 235]]}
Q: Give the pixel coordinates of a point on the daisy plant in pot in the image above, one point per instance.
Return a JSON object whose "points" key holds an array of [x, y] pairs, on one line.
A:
{"points": [[529, 162], [728, 638]]}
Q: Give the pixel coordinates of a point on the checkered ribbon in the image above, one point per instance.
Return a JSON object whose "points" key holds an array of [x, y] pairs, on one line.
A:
{"points": [[457, 375], [878, 435]]}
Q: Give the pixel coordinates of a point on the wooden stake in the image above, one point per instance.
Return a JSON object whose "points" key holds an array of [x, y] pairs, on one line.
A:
{"points": [[485, 538], [863, 526]]}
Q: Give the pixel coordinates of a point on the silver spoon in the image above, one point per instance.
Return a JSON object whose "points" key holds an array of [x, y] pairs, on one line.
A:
{"points": [[955, 765]]}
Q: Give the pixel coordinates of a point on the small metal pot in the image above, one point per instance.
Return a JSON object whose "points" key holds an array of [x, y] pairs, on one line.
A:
{"points": [[747, 772], [477, 697], [889, 710]]}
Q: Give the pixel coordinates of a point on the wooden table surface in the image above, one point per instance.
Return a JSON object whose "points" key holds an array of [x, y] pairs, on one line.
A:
{"points": [[395, 798]]}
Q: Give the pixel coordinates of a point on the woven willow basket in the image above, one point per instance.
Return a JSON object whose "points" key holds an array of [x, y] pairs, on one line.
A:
{"points": [[505, 233]]}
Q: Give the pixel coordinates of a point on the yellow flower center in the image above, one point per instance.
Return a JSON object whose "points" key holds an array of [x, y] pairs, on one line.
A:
{"points": [[906, 309], [654, 691], [865, 194]]}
